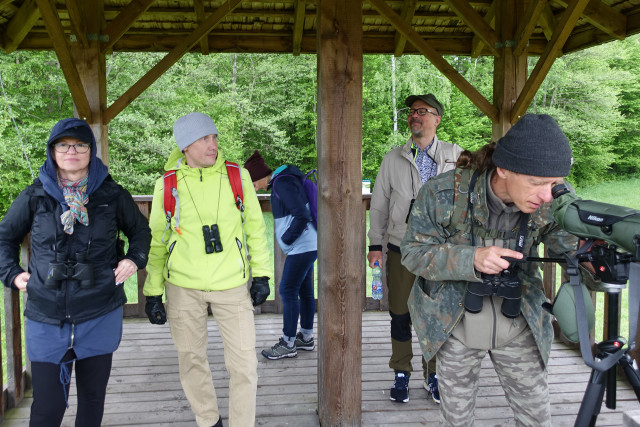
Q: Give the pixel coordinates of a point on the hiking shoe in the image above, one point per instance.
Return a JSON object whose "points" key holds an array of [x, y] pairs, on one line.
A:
{"points": [[301, 344], [400, 389], [280, 350], [431, 385]]}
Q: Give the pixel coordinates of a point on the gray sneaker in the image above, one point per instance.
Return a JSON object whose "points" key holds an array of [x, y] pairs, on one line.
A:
{"points": [[301, 344], [280, 350]]}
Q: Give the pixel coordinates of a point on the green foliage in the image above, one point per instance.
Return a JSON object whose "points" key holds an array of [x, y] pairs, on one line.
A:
{"points": [[268, 102]]}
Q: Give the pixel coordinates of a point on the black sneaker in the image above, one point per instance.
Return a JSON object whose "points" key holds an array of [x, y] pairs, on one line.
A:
{"points": [[301, 344], [280, 350], [400, 389], [431, 385]]}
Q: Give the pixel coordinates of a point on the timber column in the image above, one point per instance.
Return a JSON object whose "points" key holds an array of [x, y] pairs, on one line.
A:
{"points": [[510, 70], [341, 251], [90, 62]]}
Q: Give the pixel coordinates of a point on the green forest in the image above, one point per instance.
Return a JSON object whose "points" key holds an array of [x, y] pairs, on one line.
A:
{"points": [[268, 102]]}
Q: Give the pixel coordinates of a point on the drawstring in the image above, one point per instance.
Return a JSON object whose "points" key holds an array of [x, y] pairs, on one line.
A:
{"points": [[65, 379]]}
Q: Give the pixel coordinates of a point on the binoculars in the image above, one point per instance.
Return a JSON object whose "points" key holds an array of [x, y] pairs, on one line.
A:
{"points": [[507, 285], [212, 242], [62, 269]]}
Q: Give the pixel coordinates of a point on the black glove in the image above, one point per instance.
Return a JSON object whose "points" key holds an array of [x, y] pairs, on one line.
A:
{"points": [[259, 290], [155, 310]]}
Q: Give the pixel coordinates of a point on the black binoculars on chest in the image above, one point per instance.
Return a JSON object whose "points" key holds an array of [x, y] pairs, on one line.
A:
{"points": [[506, 285], [63, 268]]}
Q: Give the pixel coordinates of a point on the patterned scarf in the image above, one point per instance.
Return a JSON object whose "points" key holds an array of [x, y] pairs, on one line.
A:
{"points": [[75, 194]]}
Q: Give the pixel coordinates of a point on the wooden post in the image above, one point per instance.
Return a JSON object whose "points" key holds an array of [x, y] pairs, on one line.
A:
{"points": [[340, 246], [510, 71], [90, 62]]}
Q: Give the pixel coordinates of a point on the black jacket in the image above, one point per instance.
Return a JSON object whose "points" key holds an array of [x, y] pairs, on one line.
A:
{"points": [[110, 208]]}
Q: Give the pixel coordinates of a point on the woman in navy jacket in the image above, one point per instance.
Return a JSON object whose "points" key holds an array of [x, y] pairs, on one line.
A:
{"points": [[297, 238], [74, 282]]}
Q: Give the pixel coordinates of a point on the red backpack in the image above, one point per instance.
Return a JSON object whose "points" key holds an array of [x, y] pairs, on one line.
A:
{"points": [[171, 201]]}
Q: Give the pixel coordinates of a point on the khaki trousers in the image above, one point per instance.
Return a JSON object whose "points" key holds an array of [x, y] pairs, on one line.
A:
{"points": [[233, 312]]}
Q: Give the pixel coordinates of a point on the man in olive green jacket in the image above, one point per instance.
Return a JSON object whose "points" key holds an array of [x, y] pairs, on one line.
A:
{"points": [[463, 225]]}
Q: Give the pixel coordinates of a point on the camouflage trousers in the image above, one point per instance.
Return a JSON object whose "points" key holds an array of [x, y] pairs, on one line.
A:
{"points": [[521, 372]]}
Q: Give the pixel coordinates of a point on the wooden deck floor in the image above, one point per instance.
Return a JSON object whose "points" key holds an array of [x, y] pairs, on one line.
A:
{"points": [[144, 388]]}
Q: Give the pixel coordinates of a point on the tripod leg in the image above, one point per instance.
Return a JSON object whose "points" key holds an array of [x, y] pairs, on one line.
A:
{"points": [[592, 400], [632, 374]]}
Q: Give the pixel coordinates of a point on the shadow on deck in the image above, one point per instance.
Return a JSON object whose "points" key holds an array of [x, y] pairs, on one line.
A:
{"points": [[145, 390]]}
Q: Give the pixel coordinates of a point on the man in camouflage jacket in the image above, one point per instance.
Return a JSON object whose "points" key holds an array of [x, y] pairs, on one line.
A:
{"points": [[515, 184]]}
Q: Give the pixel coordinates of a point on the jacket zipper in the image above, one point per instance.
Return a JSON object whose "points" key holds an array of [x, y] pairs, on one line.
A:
{"points": [[173, 244], [244, 265]]}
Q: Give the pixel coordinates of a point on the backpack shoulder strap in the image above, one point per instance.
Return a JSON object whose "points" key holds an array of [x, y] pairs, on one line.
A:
{"points": [[170, 202], [460, 199], [235, 179]]}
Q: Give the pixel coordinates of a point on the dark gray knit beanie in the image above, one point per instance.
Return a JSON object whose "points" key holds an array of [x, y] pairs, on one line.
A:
{"points": [[534, 146], [190, 128]]}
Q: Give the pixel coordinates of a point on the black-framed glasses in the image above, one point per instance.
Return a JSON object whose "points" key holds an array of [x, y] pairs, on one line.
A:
{"points": [[420, 111], [81, 148]]}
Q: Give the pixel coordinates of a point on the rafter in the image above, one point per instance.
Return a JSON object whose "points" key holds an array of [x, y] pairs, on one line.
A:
{"points": [[165, 63], [77, 24], [527, 25], [200, 16], [436, 59], [547, 21], [119, 25], [476, 23], [20, 25], [407, 13], [298, 26], [604, 18], [560, 35], [489, 18], [71, 75]]}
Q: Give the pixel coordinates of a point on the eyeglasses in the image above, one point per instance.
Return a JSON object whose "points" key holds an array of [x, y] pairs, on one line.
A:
{"points": [[81, 148], [421, 112]]}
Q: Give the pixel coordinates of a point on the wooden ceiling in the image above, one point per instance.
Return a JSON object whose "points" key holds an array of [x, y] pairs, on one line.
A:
{"points": [[457, 27]]}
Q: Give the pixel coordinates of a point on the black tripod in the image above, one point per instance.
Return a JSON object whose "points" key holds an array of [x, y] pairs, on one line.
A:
{"points": [[606, 380]]}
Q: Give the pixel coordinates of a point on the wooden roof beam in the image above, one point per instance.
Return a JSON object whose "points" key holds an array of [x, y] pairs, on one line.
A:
{"points": [[436, 59], [71, 75], [527, 25], [407, 13], [604, 18], [566, 24], [171, 58], [77, 23], [200, 16], [298, 26], [489, 18], [20, 25], [476, 23], [547, 21], [118, 26]]}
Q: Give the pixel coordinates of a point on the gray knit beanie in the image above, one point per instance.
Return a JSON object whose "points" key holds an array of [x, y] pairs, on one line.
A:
{"points": [[534, 146], [190, 128]]}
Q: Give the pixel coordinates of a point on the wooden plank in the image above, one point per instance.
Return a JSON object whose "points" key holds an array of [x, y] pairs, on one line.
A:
{"points": [[603, 17], [527, 25], [77, 23], [67, 64], [20, 25], [477, 44], [298, 25], [407, 13], [437, 60], [119, 25], [339, 35], [554, 47], [476, 23], [198, 6], [547, 20], [165, 63]]}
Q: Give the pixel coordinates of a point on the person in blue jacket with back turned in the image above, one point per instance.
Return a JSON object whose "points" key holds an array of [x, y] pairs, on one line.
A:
{"points": [[297, 238]]}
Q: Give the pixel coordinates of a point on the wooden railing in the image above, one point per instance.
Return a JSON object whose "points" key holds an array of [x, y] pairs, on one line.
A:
{"points": [[18, 373]]}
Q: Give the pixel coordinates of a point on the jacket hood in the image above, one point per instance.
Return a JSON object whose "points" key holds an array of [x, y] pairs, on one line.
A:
{"points": [[49, 170], [177, 160], [286, 170]]}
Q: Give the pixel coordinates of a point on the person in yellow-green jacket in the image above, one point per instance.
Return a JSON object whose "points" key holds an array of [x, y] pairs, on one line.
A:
{"points": [[204, 258]]}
